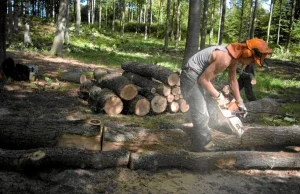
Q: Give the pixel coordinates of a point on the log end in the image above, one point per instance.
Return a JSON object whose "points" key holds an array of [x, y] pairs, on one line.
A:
{"points": [[113, 106], [173, 79], [159, 104], [142, 107], [129, 92]]}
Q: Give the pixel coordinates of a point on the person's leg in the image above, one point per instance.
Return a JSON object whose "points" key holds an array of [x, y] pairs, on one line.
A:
{"points": [[249, 90]]}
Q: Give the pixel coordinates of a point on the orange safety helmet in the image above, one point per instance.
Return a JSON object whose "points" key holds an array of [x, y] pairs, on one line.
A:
{"points": [[256, 48]]}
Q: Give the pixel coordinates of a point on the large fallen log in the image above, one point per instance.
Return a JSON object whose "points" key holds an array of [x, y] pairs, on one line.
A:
{"points": [[99, 73], [206, 161], [62, 158], [123, 87], [105, 100], [148, 70], [71, 76], [27, 133]]}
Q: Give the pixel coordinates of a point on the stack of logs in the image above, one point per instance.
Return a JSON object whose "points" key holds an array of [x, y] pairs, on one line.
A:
{"points": [[140, 89]]}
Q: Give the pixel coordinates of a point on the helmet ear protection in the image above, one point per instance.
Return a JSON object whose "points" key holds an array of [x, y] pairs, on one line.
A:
{"points": [[246, 53]]}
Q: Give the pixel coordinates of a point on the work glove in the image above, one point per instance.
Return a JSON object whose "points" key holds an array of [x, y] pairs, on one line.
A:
{"points": [[221, 100], [242, 108]]}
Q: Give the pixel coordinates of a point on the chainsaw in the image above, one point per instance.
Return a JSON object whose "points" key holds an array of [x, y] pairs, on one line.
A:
{"points": [[232, 115]]}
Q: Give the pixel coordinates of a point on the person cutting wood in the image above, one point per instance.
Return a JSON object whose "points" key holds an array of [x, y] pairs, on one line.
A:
{"points": [[201, 68], [246, 80]]}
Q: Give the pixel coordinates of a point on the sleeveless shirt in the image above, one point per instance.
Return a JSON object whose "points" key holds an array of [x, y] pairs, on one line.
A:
{"points": [[200, 61]]}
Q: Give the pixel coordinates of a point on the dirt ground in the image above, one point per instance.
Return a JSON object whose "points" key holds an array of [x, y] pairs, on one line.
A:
{"points": [[43, 99]]}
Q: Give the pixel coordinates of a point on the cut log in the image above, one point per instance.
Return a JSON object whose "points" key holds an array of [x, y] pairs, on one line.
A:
{"points": [[163, 90], [84, 89], [62, 158], [145, 90], [158, 103], [183, 105], [27, 133], [106, 100], [136, 138], [139, 106], [123, 87], [173, 107], [149, 70], [71, 76], [207, 161], [141, 81], [170, 98], [175, 90], [99, 73], [176, 97]]}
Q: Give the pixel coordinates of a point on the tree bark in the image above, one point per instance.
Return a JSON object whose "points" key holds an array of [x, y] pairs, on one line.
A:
{"points": [[99, 73], [78, 17], [71, 76], [123, 87], [85, 88], [207, 161], [148, 70], [204, 24], [28, 133], [105, 100], [62, 158], [3, 7], [166, 45], [139, 106]]}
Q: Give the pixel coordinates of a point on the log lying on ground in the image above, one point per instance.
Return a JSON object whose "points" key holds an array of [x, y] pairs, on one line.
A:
{"points": [[106, 100], [206, 161], [176, 90], [163, 90], [158, 103], [134, 138], [148, 70], [85, 88], [99, 73], [123, 87], [173, 107], [71, 76], [27, 133], [62, 158], [139, 106]]}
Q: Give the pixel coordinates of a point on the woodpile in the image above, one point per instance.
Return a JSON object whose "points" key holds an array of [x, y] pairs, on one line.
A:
{"points": [[141, 89]]}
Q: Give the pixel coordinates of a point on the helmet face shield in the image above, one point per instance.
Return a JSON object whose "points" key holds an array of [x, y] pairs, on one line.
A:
{"points": [[260, 50]]}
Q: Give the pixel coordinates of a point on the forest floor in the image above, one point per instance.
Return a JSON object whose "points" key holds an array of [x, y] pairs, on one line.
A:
{"points": [[50, 99]]}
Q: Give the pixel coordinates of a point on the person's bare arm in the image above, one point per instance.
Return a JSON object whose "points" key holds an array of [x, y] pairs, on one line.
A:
{"points": [[233, 83], [219, 60]]}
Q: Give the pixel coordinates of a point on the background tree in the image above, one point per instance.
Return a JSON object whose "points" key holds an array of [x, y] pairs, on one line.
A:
{"points": [[204, 24], [167, 25], [253, 19], [57, 46], [222, 22], [78, 16], [3, 7], [192, 38], [270, 19], [293, 5], [279, 22], [27, 38]]}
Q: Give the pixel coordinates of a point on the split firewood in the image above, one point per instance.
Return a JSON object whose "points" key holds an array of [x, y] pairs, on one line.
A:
{"points": [[207, 161], [139, 106], [183, 105], [46, 158], [173, 107], [105, 100], [99, 73], [123, 87], [149, 70]]}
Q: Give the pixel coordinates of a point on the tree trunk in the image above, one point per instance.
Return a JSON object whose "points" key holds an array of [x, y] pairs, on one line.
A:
{"points": [[192, 38], [178, 24], [78, 17], [254, 19], [27, 39], [222, 25], [123, 87], [212, 22], [204, 24], [62, 158], [66, 35], [105, 100], [3, 7], [57, 47], [114, 17], [207, 161], [139, 106], [11, 19], [123, 17], [100, 15], [85, 88], [291, 23], [279, 22], [167, 25], [16, 15], [270, 20], [241, 21], [148, 70]]}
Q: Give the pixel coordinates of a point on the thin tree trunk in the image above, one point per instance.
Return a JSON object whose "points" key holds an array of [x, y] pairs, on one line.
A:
{"points": [[67, 37], [290, 25], [114, 17], [27, 39], [178, 32], [16, 15], [192, 39], [250, 20], [3, 9], [173, 21], [222, 24], [212, 21], [204, 24], [167, 25], [93, 11], [241, 21], [159, 18], [279, 22], [270, 20], [11, 22], [254, 19], [150, 19], [89, 11], [123, 17], [57, 47], [78, 17], [100, 14], [146, 20]]}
